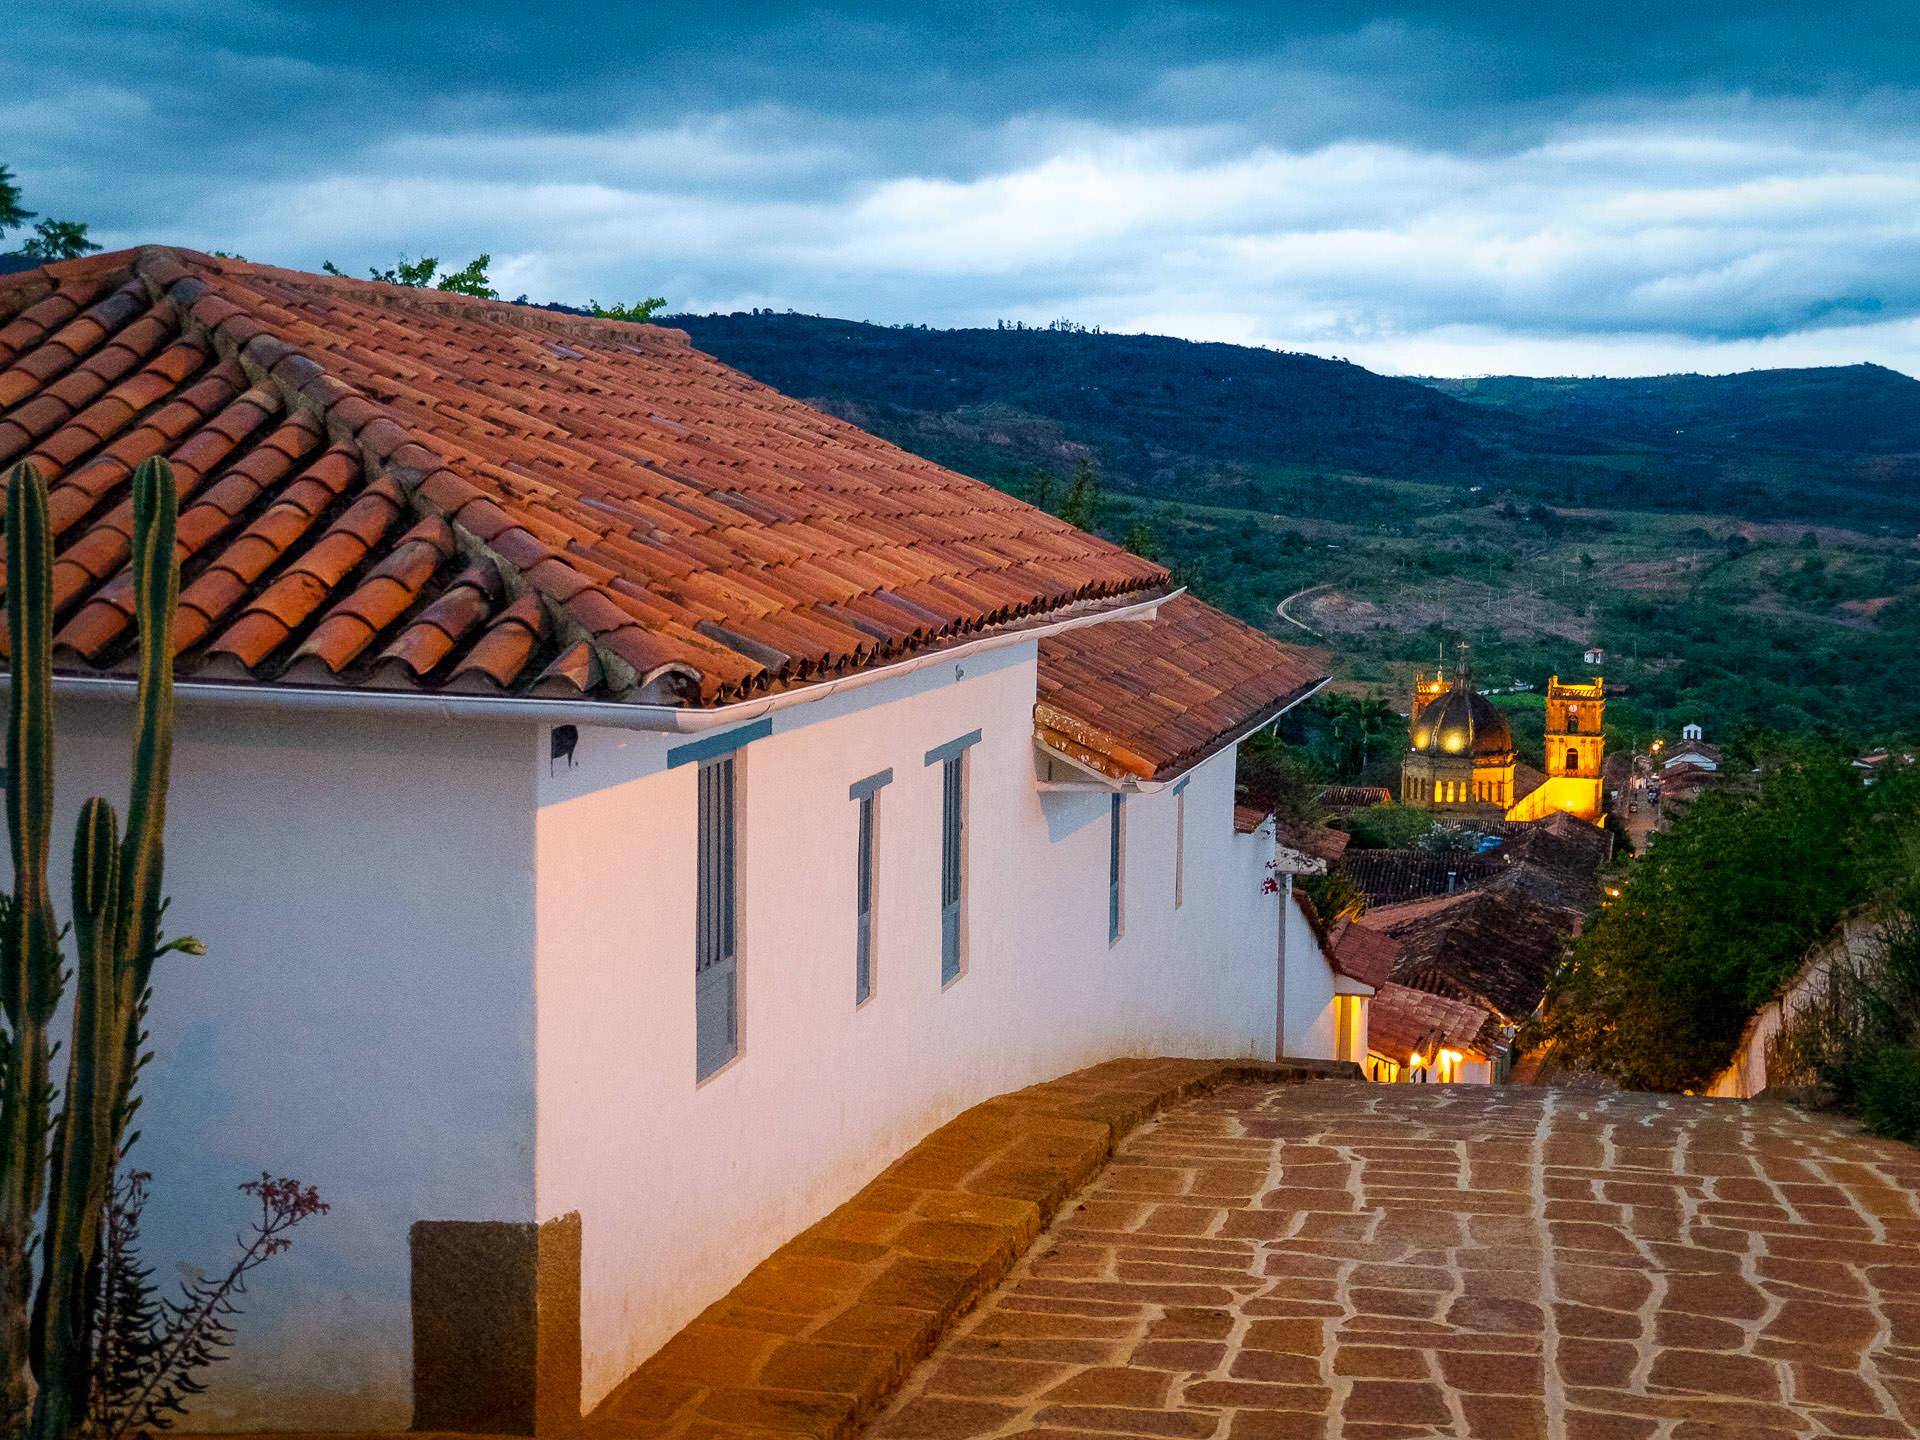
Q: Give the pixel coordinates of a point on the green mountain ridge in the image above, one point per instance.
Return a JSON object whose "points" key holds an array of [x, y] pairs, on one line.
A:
{"points": [[1214, 423], [1859, 410]]}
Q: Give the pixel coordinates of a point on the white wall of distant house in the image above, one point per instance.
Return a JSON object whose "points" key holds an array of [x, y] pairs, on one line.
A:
{"points": [[363, 1021], [1853, 947], [682, 1188], [1310, 1030]]}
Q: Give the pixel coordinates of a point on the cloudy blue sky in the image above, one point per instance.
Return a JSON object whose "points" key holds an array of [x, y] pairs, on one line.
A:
{"points": [[1439, 188]]}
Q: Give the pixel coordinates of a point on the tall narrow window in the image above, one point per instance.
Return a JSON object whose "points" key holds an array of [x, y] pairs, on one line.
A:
{"points": [[1573, 758], [1116, 846], [716, 958], [953, 803], [1180, 846], [863, 903]]}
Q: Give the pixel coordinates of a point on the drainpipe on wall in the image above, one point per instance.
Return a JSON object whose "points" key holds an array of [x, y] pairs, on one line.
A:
{"points": [[1280, 979]]}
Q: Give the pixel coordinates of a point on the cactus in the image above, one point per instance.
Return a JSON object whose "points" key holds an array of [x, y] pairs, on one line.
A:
{"points": [[117, 908]]}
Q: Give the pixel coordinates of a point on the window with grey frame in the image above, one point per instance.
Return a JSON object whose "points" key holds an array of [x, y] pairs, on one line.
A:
{"points": [[1116, 865], [1179, 844], [716, 931], [864, 887], [953, 844]]}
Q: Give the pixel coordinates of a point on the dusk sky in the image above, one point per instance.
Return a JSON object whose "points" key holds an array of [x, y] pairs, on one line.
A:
{"points": [[1446, 189]]}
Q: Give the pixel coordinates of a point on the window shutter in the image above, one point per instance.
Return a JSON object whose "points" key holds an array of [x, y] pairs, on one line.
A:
{"points": [[952, 836], [863, 905], [716, 980]]}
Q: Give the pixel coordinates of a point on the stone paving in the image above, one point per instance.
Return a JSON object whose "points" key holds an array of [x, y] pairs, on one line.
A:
{"points": [[821, 1334], [1371, 1262]]}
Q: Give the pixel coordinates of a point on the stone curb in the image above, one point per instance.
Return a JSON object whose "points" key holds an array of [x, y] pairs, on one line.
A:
{"points": [[821, 1335]]}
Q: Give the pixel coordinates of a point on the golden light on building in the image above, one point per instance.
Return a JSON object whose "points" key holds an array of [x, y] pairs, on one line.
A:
{"points": [[1461, 754]]}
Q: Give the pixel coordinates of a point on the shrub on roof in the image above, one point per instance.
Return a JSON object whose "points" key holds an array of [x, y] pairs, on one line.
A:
{"points": [[1388, 827]]}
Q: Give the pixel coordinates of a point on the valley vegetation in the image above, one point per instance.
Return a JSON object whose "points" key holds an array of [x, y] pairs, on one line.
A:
{"points": [[1742, 546]]}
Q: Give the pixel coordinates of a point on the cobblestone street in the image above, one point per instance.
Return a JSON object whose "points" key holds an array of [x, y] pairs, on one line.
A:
{"points": [[1337, 1260]]}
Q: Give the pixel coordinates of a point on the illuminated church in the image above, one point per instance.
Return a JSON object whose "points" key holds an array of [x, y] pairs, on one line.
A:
{"points": [[1461, 755]]}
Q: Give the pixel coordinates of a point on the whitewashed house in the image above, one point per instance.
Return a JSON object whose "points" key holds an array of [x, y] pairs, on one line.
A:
{"points": [[624, 809], [1692, 750]]}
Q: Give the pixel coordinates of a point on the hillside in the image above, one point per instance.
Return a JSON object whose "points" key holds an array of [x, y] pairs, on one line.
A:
{"points": [[1845, 411], [1266, 430], [1742, 545]]}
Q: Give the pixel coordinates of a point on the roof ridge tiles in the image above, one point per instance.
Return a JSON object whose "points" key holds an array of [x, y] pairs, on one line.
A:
{"points": [[646, 495]]}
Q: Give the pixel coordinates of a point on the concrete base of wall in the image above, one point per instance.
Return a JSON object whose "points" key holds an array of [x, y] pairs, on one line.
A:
{"points": [[496, 1326]]}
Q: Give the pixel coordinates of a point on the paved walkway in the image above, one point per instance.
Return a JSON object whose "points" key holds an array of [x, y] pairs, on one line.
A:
{"points": [[821, 1334], [1339, 1260]]}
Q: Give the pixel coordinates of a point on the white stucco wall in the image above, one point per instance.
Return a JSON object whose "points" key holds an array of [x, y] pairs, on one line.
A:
{"points": [[1309, 989], [449, 980], [363, 1021], [683, 1188]]}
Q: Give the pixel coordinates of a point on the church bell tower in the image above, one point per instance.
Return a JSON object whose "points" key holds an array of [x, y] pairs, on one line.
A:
{"points": [[1575, 745]]}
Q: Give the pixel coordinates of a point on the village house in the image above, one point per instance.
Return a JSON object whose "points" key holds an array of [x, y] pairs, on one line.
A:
{"points": [[624, 808], [1482, 929], [1693, 750], [1417, 1037]]}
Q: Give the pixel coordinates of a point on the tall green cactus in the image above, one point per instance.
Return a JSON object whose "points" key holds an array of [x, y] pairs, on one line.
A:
{"points": [[29, 947], [117, 909]]}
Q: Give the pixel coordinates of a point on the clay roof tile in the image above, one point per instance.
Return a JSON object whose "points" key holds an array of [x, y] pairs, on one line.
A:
{"points": [[665, 498]]}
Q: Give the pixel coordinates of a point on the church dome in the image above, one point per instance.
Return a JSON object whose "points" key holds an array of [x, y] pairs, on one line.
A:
{"points": [[1463, 722]]}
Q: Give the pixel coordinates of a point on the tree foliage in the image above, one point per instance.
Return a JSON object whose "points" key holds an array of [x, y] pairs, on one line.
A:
{"points": [[640, 312], [1389, 827], [1278, 777], [1081, 508], [469, 279], [1718, 914], [1358, 724], [51, 239], [12, 214], [59, 240]]}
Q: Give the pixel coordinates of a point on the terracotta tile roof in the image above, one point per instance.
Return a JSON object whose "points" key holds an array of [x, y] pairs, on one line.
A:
{"points": [[1249, 818], [1555, 859], [1498, 943], [1362, 954], [1401, 1021], [406, 489], [1149, 699], [1320, 842], [1392, 877], [1490, 946], [1680, 752], [1526, 780]]}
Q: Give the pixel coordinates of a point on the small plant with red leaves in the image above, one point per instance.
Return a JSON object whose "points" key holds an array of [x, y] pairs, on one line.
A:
{"points": [[149, 1353]]}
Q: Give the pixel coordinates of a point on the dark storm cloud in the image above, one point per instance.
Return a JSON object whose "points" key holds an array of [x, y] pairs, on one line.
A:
{"points": [[1424, 186]]}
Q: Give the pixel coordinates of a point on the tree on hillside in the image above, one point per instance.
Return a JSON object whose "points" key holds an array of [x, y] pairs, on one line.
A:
{"points": [[641, 311], [59, 240], [1718, 914], [1042, 495], [12, 214], [52, 239], [470, 279], [1357, 724], [1081, 508]]}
